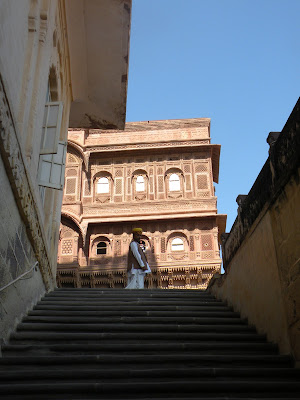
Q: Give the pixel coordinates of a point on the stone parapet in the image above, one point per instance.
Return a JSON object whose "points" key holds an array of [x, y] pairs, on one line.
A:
{"points": [[261, 254], [281, 164], [168, 277]]}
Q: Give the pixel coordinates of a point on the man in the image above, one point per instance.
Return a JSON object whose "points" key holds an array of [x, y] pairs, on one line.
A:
{"points": [[137, 265]]}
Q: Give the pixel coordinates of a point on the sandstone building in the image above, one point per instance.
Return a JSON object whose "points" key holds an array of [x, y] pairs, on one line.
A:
{"points": [[53, 75], [157, 175]]}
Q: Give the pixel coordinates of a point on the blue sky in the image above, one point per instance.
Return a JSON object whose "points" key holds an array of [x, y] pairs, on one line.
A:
{"points": [[234, 61]]}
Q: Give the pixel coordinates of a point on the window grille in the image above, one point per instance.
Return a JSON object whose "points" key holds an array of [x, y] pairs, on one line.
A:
{"points": [[163, 245], [67, 247], [70, 186], [87, 187], [192, 246], [151, 185], [160, 181], [119, 184], [188, 182], [201, 182], [207, 243], [201, 167]]}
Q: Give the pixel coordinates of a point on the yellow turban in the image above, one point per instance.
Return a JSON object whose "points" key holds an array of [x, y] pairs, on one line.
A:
{"points": [[137, 230]]}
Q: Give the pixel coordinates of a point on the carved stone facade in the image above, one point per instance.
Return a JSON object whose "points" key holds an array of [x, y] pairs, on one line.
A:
{"points": [[157, 175]]}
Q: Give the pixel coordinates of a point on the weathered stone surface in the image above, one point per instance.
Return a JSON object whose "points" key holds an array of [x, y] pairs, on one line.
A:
{"points": [[262, 253]]}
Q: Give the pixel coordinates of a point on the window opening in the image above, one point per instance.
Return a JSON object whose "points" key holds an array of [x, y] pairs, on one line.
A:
{"points": [[177, 244], [174, 183], [140, 184], [101, 248], [103, 185]]}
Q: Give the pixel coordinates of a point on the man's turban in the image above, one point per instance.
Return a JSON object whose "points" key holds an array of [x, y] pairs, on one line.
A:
{"points": [[137, 230]]}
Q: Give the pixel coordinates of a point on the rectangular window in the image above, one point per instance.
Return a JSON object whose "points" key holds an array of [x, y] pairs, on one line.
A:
{"points": [[52, 168], [51, 127]]}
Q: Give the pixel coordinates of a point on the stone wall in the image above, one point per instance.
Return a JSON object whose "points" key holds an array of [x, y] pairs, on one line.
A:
{"points": [[16, 257], [261, 254]]}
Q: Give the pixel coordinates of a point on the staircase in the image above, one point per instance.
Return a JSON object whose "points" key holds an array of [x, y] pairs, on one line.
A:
{"points": [[141, 344]]}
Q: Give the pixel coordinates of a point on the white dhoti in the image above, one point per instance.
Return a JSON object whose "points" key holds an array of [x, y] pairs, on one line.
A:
{"points": [[136, 278]]}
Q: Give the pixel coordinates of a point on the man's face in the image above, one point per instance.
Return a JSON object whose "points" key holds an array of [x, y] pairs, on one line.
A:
{"points": [[137, 236]]}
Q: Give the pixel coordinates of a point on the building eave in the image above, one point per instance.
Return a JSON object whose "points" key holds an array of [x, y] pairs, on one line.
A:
{"points": [[98, 37]]}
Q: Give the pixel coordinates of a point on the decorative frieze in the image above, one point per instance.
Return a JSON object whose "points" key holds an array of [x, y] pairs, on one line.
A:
{"points": [[140, 146], [161, 278]]}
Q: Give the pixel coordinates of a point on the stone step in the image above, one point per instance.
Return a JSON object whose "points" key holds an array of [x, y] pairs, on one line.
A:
{"points": [[79, 396], [140, 292], [132, 301], [45, 337], [89, 307], [84, 319], [141, 344], [141, 347], [127, 313], [135, 388], [28, 372], [133, 327], [187, 359], [124, 294]]}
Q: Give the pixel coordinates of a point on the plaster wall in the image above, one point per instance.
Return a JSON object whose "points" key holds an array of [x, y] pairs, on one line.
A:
{"points": [[33, 58], [252, 285], [33, 63], [286, 231], [13, 24], [16, 257]]}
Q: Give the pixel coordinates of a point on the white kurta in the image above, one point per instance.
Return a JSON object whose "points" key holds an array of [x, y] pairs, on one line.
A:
{"points": [[136, 276]]}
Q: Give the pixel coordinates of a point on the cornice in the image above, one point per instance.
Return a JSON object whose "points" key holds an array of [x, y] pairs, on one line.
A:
{"points": [[147, 211], [141, 126], [146, 146]]}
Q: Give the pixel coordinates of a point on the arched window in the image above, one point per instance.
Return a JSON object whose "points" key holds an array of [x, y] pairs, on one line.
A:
{"points": [[140, 184], [177, 244], [101, 248], [103, 185], [174, 183]]}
